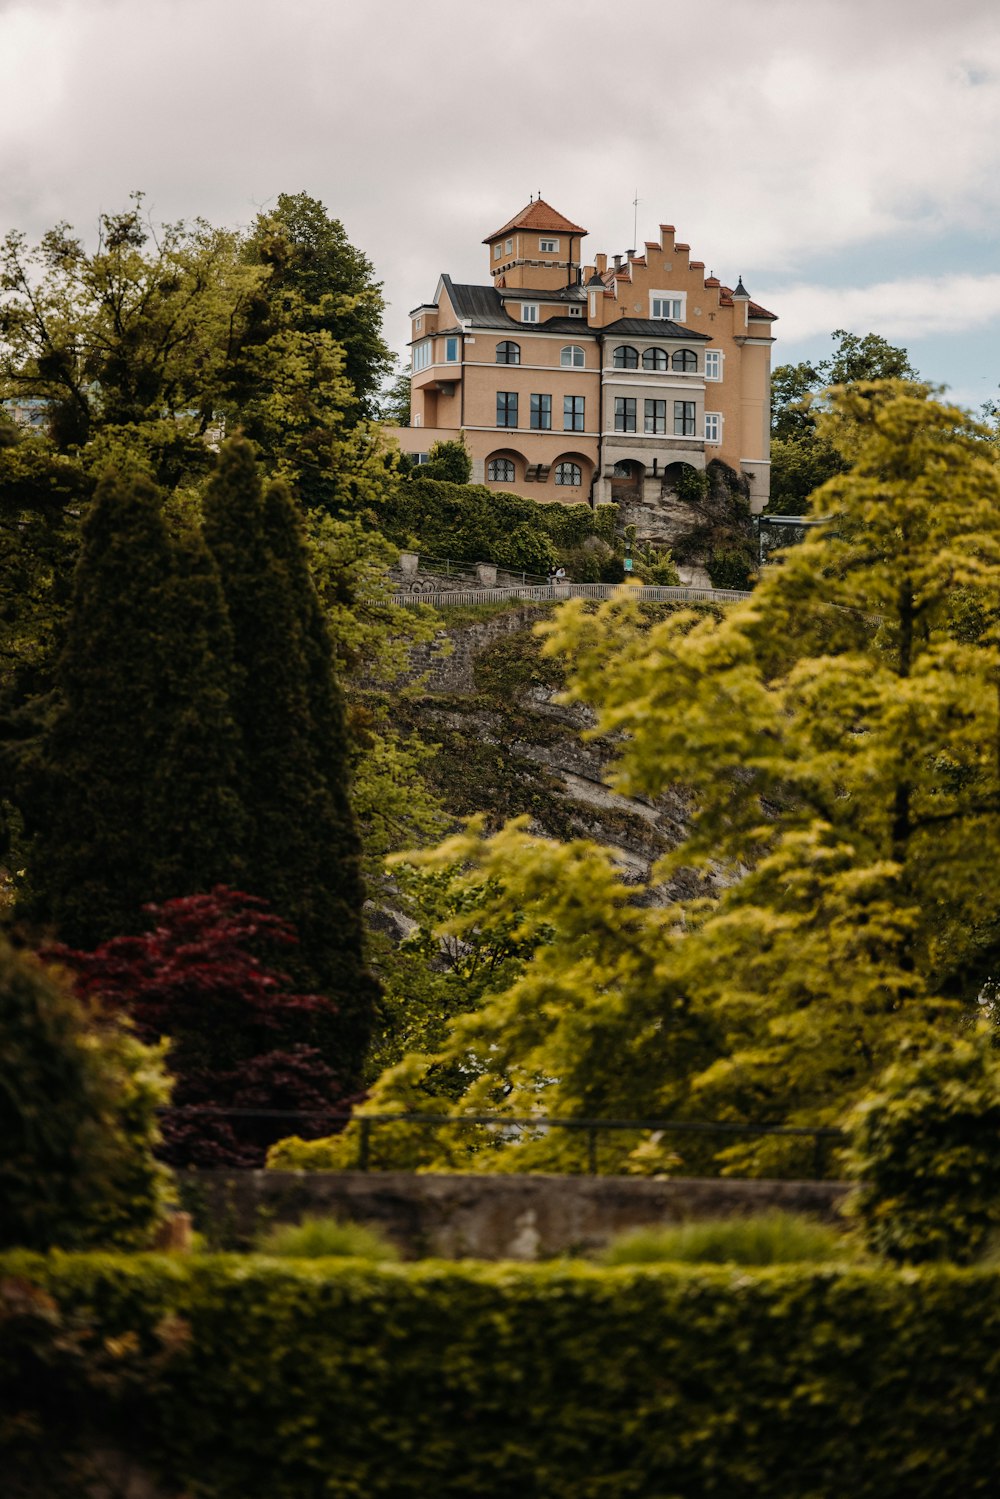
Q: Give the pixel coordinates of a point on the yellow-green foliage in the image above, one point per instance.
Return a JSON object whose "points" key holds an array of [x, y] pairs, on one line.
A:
{"points": [[237, 1378], [773, 1238], [316, 1238], [838, 735], [924, 1151]]}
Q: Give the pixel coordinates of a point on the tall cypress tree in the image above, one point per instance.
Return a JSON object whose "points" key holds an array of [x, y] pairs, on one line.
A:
{"points": [[303, 851], [130, 794]]}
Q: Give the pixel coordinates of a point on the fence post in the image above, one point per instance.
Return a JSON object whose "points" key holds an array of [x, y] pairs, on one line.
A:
{"points": [[363, 1139]]}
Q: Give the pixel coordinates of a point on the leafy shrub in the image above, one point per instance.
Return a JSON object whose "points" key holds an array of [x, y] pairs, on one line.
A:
{"points": [[924, 1152], [732, 566], [765, 1239], [77, 1119], [572, 1382], [449, 461], [315, 1238], [473, 523]]}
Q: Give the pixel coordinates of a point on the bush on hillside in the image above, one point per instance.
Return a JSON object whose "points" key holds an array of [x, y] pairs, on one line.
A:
{"points": [[472, 523], [924, 1153], [77, 1119]]}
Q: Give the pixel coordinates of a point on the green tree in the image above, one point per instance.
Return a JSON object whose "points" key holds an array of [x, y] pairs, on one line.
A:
{"points": [[837, 734], [130, 791], [801, 458], [132, 332], [449, 461], [318, 282], [77, 1119], [394, 407], [303, 852]]}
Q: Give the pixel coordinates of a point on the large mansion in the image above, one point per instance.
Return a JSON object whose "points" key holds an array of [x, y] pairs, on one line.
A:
{"points": [[588, 383]]}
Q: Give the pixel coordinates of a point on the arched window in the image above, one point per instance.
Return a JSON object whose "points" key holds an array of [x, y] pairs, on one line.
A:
{"points": [[508, 353], [654, 359], [572, 357], [685, 360], [622, 469], [568, 473], [625, 358], [500, 471]]}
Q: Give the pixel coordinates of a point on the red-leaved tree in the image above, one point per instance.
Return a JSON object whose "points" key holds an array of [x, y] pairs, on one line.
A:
{"points": [[251, 1059]]}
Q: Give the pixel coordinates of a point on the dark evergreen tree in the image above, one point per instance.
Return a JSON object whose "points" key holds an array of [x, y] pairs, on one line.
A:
{"points": [[130, 794], [303, 851]]}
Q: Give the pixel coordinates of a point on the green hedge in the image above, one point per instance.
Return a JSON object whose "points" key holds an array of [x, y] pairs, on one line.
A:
{"points": [[472, 523], [561, 1382]]}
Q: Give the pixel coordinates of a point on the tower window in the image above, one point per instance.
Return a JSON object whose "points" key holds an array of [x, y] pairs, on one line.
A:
{"points": [[550, 246]]}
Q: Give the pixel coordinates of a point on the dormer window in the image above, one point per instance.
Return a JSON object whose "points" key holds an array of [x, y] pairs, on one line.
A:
{"points": [[549, 246], [529, 312]]}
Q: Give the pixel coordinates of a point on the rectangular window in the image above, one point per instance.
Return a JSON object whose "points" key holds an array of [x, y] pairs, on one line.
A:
{"points": [[667, 304], [655, 417], [624, 413], [497, 251], [713, 364], [508, 246], [573, 413], [541, 413], [529, 312], [684, 418], [713, 426], [575, 311], [418, 323], [550, 246], [451, 350], [506, 408], [422, 355]]}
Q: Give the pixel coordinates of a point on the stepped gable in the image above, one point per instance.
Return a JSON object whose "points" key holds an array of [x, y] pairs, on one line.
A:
{"points": [[537, 215]]}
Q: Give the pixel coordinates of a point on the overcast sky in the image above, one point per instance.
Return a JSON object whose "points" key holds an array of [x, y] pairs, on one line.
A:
{"points": [[842, 155]]}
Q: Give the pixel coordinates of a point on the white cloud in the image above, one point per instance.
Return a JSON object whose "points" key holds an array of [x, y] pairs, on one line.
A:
{"points": [[910, 308]]}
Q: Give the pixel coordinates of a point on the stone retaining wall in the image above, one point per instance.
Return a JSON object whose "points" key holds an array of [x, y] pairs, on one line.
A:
{"points": [[484, 1217]]}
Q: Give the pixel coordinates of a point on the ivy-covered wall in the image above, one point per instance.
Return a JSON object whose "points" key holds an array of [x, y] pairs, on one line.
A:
{"points": [[238, 1378]]}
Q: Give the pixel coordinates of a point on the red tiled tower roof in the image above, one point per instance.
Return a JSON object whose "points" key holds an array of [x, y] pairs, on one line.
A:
{"points": [[537, 215]]}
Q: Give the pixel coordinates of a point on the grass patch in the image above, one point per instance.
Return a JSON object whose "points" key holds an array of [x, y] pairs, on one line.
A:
{"points": [[766, 1239], [318, 1238]]}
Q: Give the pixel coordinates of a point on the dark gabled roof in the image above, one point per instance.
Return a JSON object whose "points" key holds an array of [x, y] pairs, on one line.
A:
{"points": [[484, 307], [548, 294], [639, 327], [537, 215]]}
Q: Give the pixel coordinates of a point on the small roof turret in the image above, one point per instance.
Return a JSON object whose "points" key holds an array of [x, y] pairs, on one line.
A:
{"points": [[741, 294]]}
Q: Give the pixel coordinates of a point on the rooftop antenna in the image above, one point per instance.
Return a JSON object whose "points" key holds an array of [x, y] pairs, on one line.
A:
{"points": [[635, 221]]}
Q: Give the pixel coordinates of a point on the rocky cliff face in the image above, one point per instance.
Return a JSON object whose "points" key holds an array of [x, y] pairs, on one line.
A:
{"points": [[506, 746]]}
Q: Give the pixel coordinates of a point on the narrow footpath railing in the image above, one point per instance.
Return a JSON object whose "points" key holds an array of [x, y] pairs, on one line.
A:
{"points": [[547, 593], [822, 1136]]}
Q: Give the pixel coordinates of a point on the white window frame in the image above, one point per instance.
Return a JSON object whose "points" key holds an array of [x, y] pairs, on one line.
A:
{"points": [[713, 427], [713, 364], [508, 246], [572, 362], [418, 323], [575, 311], [449, 344], [529, 312], [423, 355], [675, 298], [497, 250], [549, 246]]}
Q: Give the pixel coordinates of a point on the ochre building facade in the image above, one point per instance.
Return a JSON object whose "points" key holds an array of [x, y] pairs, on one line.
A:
{"points": [[580, 382]]}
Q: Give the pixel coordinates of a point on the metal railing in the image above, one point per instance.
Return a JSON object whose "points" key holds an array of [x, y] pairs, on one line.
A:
{"points": [[547, 592], [822, 1136]]}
